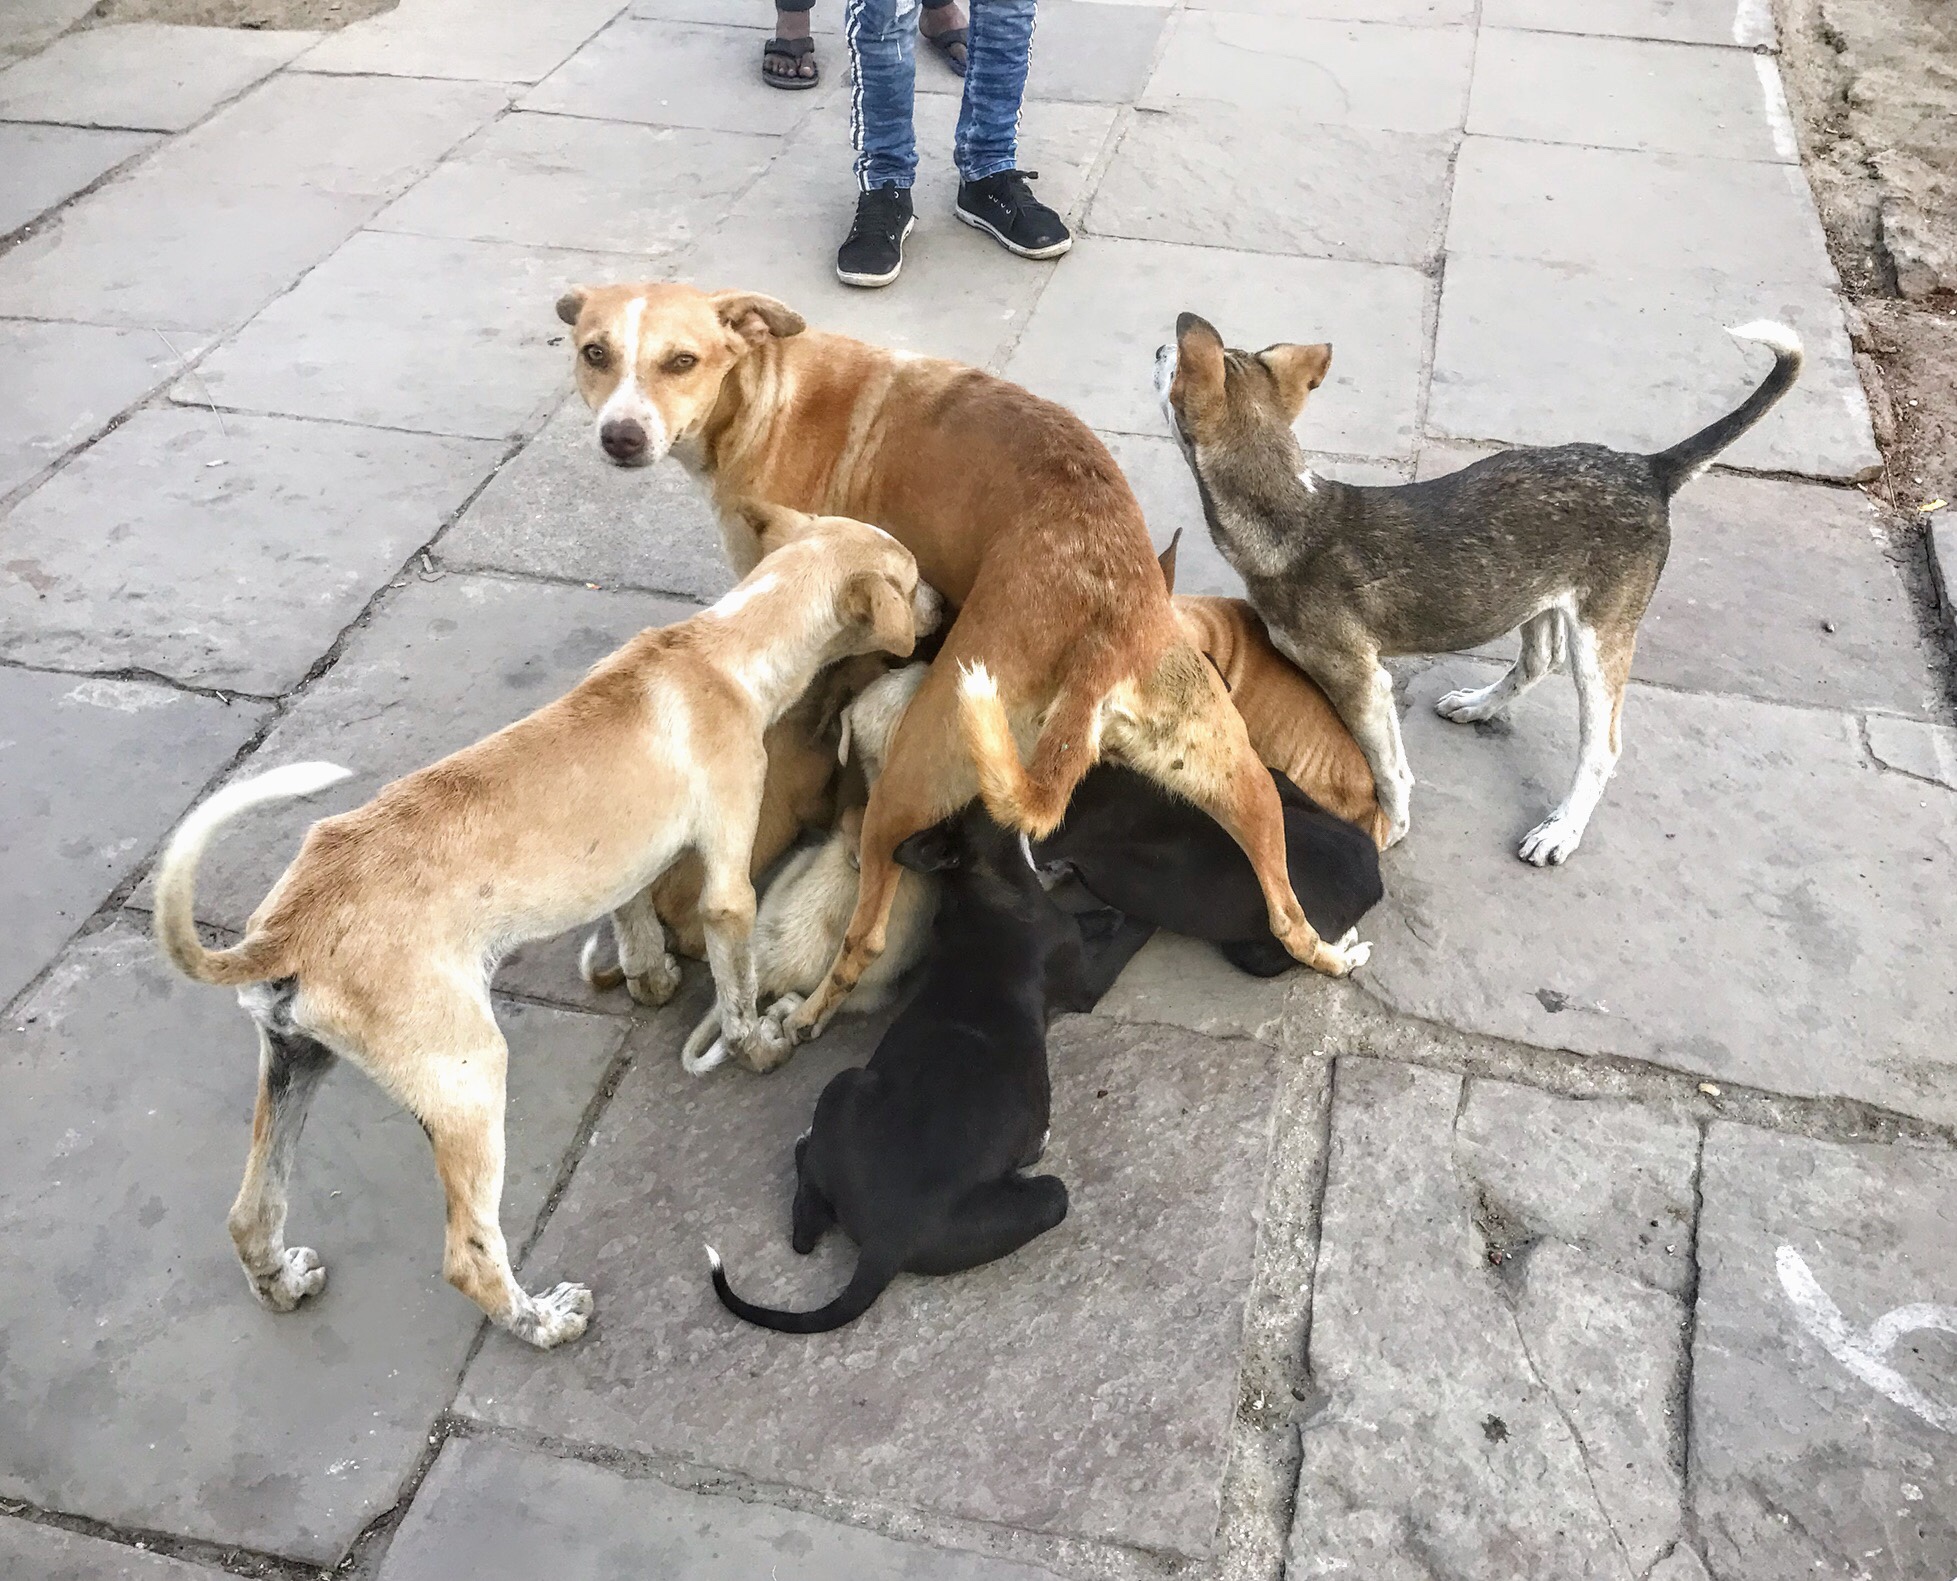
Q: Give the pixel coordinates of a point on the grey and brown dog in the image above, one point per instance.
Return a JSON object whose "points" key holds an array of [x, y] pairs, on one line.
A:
{"points": [[1566, 543]]}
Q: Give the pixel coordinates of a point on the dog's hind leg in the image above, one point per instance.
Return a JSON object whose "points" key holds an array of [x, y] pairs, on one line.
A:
{"points": [[1541, 654], [290, 1066], [812, 1215], [1601, 664], [992, 1220]]}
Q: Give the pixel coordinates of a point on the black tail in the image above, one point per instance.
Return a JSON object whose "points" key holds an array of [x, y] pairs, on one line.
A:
{"points": [[872, 1277], [1682, 463]]}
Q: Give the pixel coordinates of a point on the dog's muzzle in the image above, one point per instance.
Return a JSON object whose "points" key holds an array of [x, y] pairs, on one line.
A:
{"points": [[927, 608], [625, 441]]}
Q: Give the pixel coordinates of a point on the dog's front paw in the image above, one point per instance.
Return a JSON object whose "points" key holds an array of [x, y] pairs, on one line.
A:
{"points": [[1351, 953], [1468, 706], [300, 1274], [1551, 842], [657, 983], [554, 1318], [772, 1040]]}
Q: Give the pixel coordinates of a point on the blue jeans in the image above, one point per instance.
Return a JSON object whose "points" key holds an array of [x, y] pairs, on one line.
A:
{"points": [[883, 44]]}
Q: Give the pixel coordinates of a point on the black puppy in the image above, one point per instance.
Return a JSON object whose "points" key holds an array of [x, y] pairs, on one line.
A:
{"points": [[917, 1155], [1160, 860]]}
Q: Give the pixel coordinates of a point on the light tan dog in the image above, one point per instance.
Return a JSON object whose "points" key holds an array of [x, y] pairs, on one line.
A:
{"points": [[378, 943], [1016, 513]]}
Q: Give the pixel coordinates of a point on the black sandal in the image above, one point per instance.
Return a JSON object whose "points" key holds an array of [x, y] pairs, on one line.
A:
{"points": [[794, 49], [942, 43]]}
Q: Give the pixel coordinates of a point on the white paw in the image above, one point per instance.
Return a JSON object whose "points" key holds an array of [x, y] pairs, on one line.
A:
{"points": [[1551, 842], [1353, 953], [300, 1274], [1468, 706], [1396, 829], [555, 1317]]}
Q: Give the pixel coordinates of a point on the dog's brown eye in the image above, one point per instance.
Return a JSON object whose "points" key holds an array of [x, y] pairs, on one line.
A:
{"points": [[595, 354], [680, 361]]}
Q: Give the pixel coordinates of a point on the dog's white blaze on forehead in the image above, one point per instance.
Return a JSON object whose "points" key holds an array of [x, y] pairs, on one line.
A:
{"points": [[746, 593], [628, 399]]}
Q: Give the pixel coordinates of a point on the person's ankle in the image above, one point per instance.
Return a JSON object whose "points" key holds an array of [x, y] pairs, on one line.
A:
{"points": [[792, 24]]}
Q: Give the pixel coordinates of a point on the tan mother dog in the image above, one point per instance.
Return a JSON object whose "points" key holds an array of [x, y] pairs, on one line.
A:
{"points": [[378, 942], [1016, 513]]}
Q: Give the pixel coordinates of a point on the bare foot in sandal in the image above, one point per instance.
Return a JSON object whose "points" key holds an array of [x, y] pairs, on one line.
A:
{"points": [[788, 59], [944, 29]]}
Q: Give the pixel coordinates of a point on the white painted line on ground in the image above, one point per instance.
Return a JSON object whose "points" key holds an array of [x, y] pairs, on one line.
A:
{"points": [[1781, 123], [1867, 1355]]}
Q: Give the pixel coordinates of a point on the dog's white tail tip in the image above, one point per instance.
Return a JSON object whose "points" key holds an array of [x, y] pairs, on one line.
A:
{"points": [[1767, 332], [713, 1260]]}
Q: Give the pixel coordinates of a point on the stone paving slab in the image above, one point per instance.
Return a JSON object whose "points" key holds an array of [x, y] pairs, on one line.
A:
{"points": [[1624, 209], [1784, 592], [492, 1510], [1092, 340], [360, 136], [1927, 751], [46, 1553], [1399, 79], [237, 554], [825, 21], [1805, 896], [41, 166], [1629, 93], [558, 509], [1740, 22], [1219, 175], [29, 25], [505, 41], [1494, 1360], [142, 75], [1083, 49], [65, 382], [1084, 1386], [1804, 1461], [963, 296], [153, 1391], [1428, 13], [1545, 353], [440, 664], [92, 773], [438, 336], [556, 181], [676, 74]]}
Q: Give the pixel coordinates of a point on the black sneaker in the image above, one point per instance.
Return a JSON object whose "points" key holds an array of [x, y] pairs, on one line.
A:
{"points": [[873, 253], [1004, 207]]}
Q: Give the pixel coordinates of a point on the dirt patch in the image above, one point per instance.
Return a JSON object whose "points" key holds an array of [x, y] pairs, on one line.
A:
{"points": [[308, 16]]}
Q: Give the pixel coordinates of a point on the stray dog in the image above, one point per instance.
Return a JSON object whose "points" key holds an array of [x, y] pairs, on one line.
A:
{"points": [[378, 943], [919, 1154], [1016, 513], [1159, 861], [806, 907], [1566, 543]]}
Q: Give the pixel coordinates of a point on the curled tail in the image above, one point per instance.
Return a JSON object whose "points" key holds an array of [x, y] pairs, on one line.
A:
{"points": [[873, 1275], [1682, 463], [1031, 799], [175, 917]]}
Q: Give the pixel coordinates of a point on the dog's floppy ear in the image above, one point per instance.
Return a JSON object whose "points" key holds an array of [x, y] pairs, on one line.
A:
{"points": [[1298, 370], [871, 599], [757, 318], [571, 303], [1199, 365], [1167, 561], [772, 525], [937, 849]]}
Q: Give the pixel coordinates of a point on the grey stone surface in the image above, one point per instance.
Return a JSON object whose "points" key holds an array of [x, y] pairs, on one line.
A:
{"points": [[359, 136], [155, 252], [29, 25], [1629, 93], [444, 337], [1686, 21], [1494, 1371], [1627, 209], [1799, 1465], [1779, 591], [506, 41], [963, 295], [438, 665], [1943, 562], [560, 509], [1803, 889], [1430, 13], [1927, 751], [1084, 49], [142, 75], [1400, 79], [152, 1391], [491, 1510], [1544, 353], [676, 74], [41, 166], [1681, 1564], [65, 381], [1187, 983], [92, 773], [47, 1553], [1092, 340], [557, 181], [1220, 175], [1083, 1386], [235, 554]]}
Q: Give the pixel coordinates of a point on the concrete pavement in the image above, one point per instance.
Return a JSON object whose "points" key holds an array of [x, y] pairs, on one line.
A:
{"points": [[1606, 1226]]}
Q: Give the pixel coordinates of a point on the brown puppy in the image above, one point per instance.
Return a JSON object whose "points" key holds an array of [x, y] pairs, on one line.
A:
{"points": [[1016, 513], [1292, 724], [379, 941]]}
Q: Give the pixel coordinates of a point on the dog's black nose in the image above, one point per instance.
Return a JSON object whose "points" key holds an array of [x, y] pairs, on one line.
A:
{"points": [[624, 439]]}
